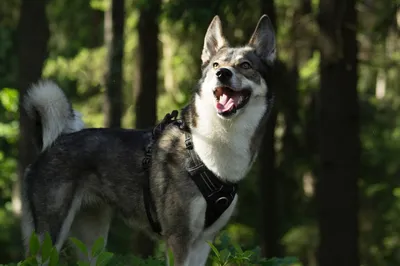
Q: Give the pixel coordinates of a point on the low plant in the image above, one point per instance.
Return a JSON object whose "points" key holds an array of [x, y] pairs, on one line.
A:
{"points": [[226, 254]]}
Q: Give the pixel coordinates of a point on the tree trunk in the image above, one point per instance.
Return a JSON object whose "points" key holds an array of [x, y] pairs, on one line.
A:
{"points": [[270, 229], [269, 198], [146, 87], [337, 192], [288, 95], [32, 36], [114, 38], [147, 56]]}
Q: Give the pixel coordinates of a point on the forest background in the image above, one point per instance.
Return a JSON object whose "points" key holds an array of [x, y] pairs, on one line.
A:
{"points": [[326, 186]]}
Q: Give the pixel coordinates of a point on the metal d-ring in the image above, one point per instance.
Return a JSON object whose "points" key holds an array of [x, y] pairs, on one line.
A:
{"points": [[222, 201]]}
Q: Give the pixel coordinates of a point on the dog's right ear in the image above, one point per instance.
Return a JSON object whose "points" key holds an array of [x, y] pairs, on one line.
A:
{"points": [[213, 41], [263, 40]]}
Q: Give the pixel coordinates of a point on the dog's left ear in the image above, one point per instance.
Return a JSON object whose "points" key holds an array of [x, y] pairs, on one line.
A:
{"points": [[213, 41], [263, 40]]}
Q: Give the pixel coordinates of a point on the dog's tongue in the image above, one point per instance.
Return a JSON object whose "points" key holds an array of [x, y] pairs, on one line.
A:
{"points": [[225, 103]]}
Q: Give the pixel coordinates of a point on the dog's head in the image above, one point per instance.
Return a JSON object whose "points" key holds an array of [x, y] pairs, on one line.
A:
{"points": [[235, 77]]}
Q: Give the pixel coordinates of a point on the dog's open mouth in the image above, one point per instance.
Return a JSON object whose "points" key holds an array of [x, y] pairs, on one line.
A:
{"points": [[229, 100]]}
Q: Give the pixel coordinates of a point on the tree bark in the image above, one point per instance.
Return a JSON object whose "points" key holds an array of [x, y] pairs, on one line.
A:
{"points": [[269, 198], [146, 87], [114, 20], [270, 229], [32, 37], [337, 191], [148, 60]]}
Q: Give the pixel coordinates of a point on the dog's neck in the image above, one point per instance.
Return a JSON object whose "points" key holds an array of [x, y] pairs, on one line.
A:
{"points": [[224, 145]]}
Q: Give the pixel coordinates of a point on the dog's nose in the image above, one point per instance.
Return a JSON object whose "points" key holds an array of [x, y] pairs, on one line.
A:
{"points": [[223, 74]]}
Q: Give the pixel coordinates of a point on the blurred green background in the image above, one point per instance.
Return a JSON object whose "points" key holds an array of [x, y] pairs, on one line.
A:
{"points": [[113, 74]]}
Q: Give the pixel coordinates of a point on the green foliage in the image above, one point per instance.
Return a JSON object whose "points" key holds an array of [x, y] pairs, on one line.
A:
{"points": [[80, 245], [227, 253], [41, 254], [46, 254]]}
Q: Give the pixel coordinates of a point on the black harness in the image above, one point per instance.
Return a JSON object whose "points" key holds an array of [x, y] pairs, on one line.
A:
{"points": [[217, 193]]}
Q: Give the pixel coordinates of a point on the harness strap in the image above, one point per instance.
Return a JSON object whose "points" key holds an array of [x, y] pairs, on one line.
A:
{"points": [[218, 194], [149, 205], [146, 163]]}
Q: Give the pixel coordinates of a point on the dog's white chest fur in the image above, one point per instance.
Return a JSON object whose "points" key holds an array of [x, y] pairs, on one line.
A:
{"points": [[224, 145]]}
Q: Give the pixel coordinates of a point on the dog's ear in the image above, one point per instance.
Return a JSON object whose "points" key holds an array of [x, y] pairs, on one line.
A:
{"points": [[213, 41], [263, 40]]}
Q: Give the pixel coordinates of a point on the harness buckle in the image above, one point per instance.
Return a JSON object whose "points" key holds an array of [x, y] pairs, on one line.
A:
{"points": [[146, 162], [189, 143]]}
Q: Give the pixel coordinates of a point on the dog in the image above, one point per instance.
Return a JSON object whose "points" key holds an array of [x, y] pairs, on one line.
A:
{"points": [[177, 181]]}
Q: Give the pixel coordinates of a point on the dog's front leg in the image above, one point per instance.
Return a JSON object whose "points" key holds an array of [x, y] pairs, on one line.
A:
{"points": [[198, 253], [180, 247]]}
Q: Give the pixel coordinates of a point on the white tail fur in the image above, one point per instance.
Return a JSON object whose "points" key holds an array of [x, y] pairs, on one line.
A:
{"points": [[55, 111]]}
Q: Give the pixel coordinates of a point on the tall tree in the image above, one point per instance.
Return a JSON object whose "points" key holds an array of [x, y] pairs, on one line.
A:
{"points": [[268, 176], [32, 37], [337, 191], [148, 60], [114, 38], [146, 85]]}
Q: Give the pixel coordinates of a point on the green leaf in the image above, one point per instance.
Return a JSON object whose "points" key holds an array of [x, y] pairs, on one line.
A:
{"points": [[248, 254], [225, 254], [238, 248], [29, 262], [83, 263], [34, 244], [214, 249], [100, 5], [46, 247], [104, 258], [98, 247], [79, 244], [171, 258], [54, 257], [9, 99]]}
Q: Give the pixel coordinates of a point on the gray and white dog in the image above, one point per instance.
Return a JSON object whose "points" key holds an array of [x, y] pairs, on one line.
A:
{"points": [[83, 177]]}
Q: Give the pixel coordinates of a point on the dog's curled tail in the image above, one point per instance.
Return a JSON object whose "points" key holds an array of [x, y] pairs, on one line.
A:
{"points": [[47, 104]]}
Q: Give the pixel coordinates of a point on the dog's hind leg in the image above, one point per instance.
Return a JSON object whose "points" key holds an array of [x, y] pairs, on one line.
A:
{"points": [[90, 224], [54, 211], [68, 221], [27, 222], [27, 225]]}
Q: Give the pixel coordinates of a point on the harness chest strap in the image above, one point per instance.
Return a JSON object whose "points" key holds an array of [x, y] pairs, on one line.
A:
{"points": [[219, 195]]}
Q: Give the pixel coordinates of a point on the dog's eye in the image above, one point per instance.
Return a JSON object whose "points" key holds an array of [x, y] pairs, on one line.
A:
{"points": [[215, 65], [245, 65]]}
